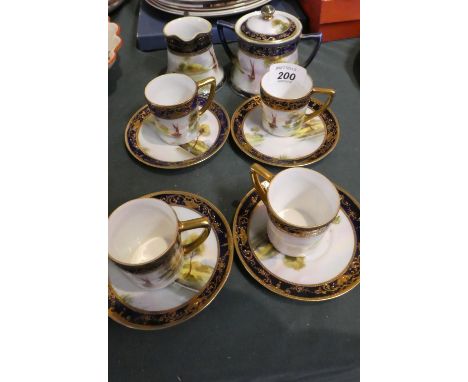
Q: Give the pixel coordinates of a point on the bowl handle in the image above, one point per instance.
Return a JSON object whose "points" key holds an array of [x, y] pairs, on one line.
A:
{"points": [[312, 36], [220, 24]]}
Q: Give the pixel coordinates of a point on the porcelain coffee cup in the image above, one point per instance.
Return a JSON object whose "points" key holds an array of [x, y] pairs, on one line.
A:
{"points": [[173, 99], [285, 101], [144, 241], [301, 204]]}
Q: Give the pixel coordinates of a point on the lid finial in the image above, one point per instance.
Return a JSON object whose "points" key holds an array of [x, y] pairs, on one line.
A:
{"points": [[267, 12]]}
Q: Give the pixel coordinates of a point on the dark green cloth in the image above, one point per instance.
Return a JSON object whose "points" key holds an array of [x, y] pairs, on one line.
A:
{"points": [[247, 333]]}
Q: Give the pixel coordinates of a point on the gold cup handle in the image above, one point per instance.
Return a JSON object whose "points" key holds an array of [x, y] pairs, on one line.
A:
{"points": [[257, 171], [207, 81], [192, 224], [330, 93]]}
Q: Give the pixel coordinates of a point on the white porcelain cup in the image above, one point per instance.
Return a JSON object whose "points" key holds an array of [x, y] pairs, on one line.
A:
{"points": [[301, 205], [173, 100], [144, 241], [285, 101]]}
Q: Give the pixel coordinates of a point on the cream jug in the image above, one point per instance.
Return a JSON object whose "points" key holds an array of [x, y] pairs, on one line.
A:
{"points": [[190, 50]]}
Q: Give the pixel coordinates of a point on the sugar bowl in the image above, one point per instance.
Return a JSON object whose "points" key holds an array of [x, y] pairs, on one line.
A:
{"points": [[264, 37]]}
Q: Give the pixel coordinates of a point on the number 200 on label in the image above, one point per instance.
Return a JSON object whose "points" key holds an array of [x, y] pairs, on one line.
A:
{"points": [[286, 76]]}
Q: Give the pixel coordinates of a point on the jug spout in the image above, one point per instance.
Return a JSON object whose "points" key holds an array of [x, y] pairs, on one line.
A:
{"points": [[188, 34]]}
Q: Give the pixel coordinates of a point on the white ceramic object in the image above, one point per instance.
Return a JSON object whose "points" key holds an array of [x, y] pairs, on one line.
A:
{"points": [[315, 140], [173, 99], [301, 203], [144, 241], [283, 148], [204, 271], [145, 144], [203, 259], [319, 264], [190, 50], [247, 71], [114, 42], [285, 101], [265, 37], [326, 271]]}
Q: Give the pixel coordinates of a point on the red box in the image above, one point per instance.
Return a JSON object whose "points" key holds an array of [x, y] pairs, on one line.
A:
{"points": [[336, 19]]}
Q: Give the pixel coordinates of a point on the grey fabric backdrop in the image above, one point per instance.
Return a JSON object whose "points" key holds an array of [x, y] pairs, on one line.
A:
{"points": [[247, 333]]}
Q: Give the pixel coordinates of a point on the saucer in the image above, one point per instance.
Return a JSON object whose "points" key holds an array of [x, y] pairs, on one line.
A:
{"points": [[329, 270], [313, 142], [203, 273], [144, 143]]}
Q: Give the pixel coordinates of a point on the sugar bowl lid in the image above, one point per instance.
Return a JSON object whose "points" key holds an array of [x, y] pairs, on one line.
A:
{"points": [[268, 26]]}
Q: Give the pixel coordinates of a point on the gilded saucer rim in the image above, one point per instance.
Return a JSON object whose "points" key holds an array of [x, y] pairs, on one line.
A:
{"points": [[121, 320], [298, 162], [274, 289], [181, 164]]}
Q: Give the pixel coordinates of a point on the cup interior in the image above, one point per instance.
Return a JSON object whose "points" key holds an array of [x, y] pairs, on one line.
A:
{"points": [[303, 197], [285, 89], [141, 230], [170, 89], [186, 28]]}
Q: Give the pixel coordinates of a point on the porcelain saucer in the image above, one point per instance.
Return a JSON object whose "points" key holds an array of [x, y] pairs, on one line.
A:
{"points": [[327, 271], [311, 143], [144, 143], [203, 274]]}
